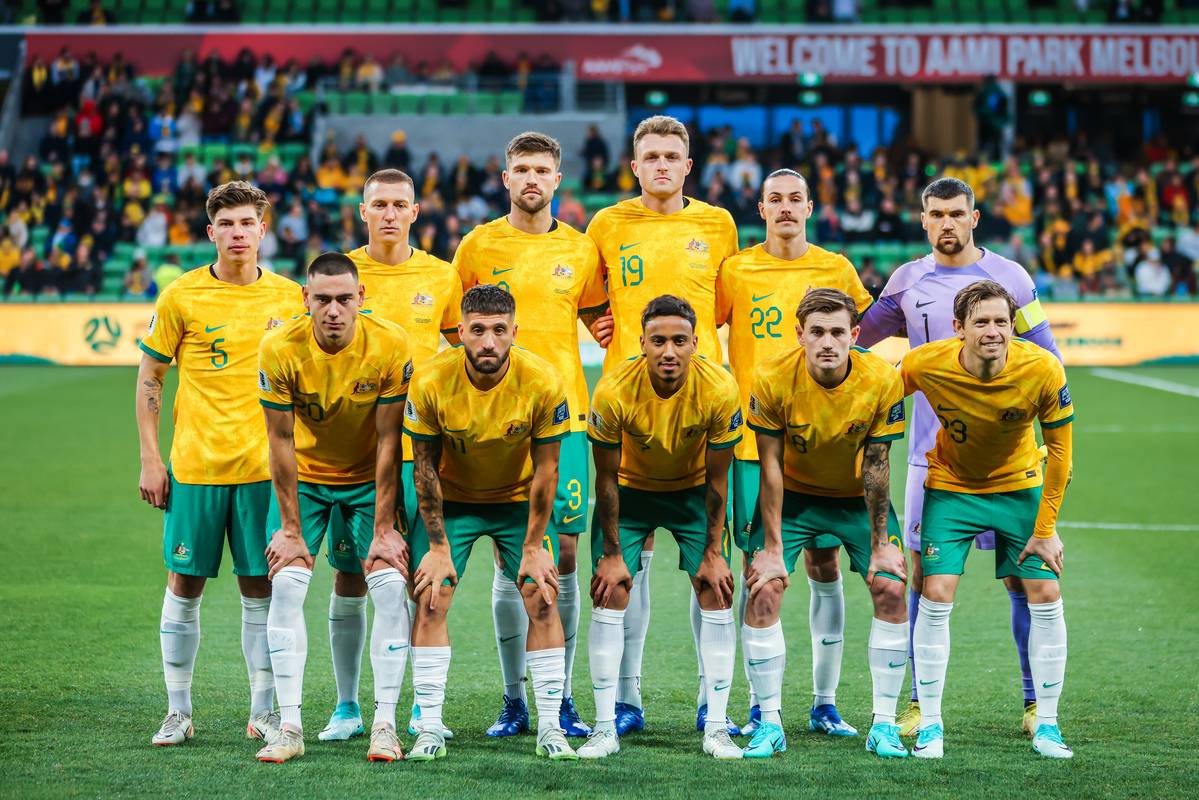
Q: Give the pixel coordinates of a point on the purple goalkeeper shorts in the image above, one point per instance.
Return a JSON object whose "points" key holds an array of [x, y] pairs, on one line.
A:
{"points": [[913, 510]]}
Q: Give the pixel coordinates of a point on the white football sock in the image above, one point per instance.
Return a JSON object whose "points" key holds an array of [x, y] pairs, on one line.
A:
{"points": [[930, 642], [696, 622], [765, 653], [605, 645], [287, 636], [826, 620], [430, 671], [547, 669], [179, 638], [389, 639], [347, 636], [887, 654], [1047, 657], [718, 645], [511, 632], [254, 649], [636, 625], [742, 599], [568, 612]]}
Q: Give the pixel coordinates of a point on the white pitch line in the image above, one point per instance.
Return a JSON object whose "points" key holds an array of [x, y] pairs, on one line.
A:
{"points": [[1146, 381], [1128, 526], [1141, 429]]}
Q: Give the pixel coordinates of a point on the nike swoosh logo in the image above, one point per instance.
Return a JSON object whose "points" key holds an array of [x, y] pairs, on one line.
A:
{"points": [[391, 648], [753, 662], [927, 303], [897, 666], [830, 641], [721, 688], [918, 747], [568, 520], [568, 638], [1049, 685], [947, 408], [280, 650], [498, 271], [423, 694], [927, 683], [509, 638], [759, 298], [208, 329], [553, 691], [624, 247]]}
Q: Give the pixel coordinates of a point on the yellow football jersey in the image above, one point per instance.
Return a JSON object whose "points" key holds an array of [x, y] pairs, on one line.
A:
{"points": [[646, 254], [986, 442], [663, 441], [826, 430], [553, 277], [757, 295], [334, 395], [486, 436], [422, 295], [212, 330]]}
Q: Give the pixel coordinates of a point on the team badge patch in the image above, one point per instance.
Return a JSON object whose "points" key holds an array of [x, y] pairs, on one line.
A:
{"points": [[365, 385], [595, 420], [264, 383], [422, 299], [342, 547], [736, 421], [273, 323], [410, 412], [1063, 396], [408, 371], [515, 429], [181, 552], [561, 413], [697, 246], [932, 553], [1012, 415], [693, 431], [857, 427], [563, 271], [896, 413]]}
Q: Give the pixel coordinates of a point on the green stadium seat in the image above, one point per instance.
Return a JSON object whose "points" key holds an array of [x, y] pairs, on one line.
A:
{"points": [[290, 152], [253, 10], [460, 104], [511, 102], [435, 104], [306, 100], [212, 151], [487, 103], [525, 14], [452, 15], [328, 11], [476, 10], [407, 104], [277, 11], [402, 10], [373, 11], [302, 11], [38, 237], [113, 284]]}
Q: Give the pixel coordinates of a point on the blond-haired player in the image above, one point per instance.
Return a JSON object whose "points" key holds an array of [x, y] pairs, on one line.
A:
{"points": [[657, 244], [210, 322]]}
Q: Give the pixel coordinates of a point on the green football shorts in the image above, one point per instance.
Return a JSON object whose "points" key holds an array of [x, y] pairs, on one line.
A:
{"points": [[809, 518], [199, 517], [747, 476], [682, 513], [574, 483], [350, 541], [951, 520], [465, 523]]}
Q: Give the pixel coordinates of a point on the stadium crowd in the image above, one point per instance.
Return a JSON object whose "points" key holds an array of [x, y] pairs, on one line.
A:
{"points": [[126, 161]]}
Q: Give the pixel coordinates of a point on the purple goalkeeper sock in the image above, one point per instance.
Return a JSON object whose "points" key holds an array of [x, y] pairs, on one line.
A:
{"points": [[1021, 621], [913, 611]]}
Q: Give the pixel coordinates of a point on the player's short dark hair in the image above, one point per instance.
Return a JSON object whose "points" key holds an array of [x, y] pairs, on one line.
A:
{"points": [[389, 176], [488, 299], [968, 299], [236, 194], [532, 143], [826, 301], [947, 189], [668, 305], [332, 263], [785, 171]]}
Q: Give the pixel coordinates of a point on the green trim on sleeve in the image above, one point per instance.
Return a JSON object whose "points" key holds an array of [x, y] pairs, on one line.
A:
{"points": [[1058, 423], [399, 398], [424, 437], [888, 438], [724, 445], [557, 437], [276, 406], [154, 353], [767, 431], [598, 443], [593, 309], [447, 331]]}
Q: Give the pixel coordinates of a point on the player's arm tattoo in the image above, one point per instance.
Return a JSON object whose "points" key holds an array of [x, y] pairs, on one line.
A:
{"points": [[426, 458], [607, 497], [153, 392], [148, 405], [876, 480]]}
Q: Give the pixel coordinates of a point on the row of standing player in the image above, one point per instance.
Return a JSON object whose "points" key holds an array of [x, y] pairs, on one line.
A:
{"points": [[651, 239]]}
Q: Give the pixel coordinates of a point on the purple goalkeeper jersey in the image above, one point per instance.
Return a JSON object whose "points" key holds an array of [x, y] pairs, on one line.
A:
{"points": [[919, 297]]}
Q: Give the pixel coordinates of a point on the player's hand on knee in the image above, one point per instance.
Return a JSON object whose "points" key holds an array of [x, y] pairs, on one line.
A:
{"points": [[387, 547], [610, 573], [764, 567], [603, 328], [1048, 548], [887, 558], [714, 573], [154, 484], [284, 548], [435, 568], [537, 565]]}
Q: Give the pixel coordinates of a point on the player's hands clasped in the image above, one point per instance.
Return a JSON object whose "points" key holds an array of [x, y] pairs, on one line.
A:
{"points": [[536, 563], [284, 548], [714, 573], [389, 547], [887, 558], [611, 572], [1048, 549], [154, 483], [767, 565], [435, 568], [603, 328]]}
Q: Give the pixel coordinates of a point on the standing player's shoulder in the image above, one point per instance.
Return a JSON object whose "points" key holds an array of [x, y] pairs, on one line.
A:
{"points": [[713, 372], [277, 282], [532, 365], [441, 367], [1005, 271], [744, 257], [707, 210], [198, 278], [874, 366], [906, 275], [294, 331], [1031, 353], [933, 352]]}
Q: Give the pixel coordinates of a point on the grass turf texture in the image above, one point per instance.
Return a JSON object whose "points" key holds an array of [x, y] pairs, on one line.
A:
{"points": [[81, 582]]}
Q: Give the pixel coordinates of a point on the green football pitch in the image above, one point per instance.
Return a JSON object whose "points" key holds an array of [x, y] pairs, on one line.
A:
{"points": [[81, 583]]}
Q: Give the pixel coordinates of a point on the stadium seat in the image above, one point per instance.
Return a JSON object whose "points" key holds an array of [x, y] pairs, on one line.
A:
{"points": [[253, 11], [328, 11], [356, 103], [407, 104], [487, 103], [511, 102], [372, 11], [435, 104], [460, 104], [211, 151], [306, 100], [402, 10], [302, 11]]}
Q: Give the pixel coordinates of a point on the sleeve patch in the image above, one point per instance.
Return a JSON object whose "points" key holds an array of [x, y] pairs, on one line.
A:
{"points": [[153, 319], [735, 421], [595, 420], [1063, 396], [896, 413], [755, 406], [410, 412], [408, 371], [264, 383], [561, 413]]}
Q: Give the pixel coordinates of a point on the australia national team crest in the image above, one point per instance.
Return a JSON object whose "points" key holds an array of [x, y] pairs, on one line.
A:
{"points": [[422, 299], [181, 552], [515, 428], [857, 427], [1012, 415], [563, 271], [697, 246], [365, 386]]}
